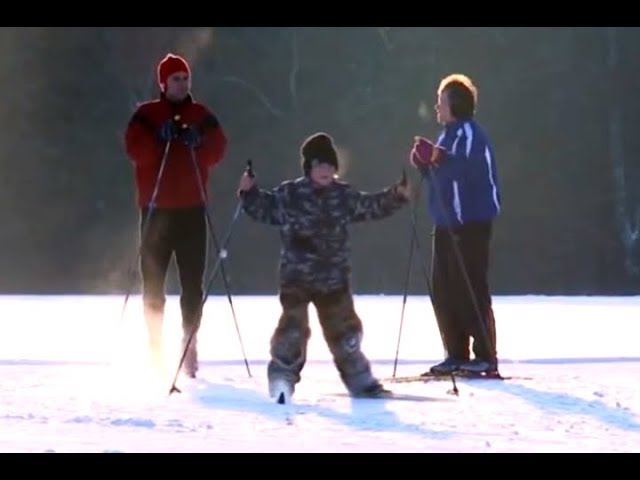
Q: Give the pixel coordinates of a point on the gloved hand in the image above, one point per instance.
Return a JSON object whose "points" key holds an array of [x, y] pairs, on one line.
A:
{"points": [[191, 137], [248, 180], [426, 154], [168, 131], [402, 188]]}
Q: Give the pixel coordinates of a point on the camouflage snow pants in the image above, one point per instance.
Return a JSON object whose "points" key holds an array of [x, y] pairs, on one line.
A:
{"points": [[342, 331]]}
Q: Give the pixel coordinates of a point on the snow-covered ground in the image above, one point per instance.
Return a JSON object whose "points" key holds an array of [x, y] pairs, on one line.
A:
{"points": [[74, 380]]}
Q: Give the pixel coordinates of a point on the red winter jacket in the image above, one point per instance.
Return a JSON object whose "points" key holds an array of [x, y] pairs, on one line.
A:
{"points": [[178, 186]]}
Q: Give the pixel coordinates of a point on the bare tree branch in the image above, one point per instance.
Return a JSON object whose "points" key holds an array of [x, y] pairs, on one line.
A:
{"points": [[295, 66], [384, 34], [262, 97], [630, 235]]}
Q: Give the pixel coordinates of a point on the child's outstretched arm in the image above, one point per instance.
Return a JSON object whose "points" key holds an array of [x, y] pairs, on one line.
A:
{"points": [[366, 206], [261, 205]]}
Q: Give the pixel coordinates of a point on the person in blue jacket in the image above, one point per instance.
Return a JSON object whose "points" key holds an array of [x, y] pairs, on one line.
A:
{"points": [[464, 201]]}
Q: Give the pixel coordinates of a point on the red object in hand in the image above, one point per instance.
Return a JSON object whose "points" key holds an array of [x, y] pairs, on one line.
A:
{"points": [[426, 154]]}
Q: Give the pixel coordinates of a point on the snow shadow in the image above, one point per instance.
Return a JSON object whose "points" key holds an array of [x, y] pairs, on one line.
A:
{"points": [[365, 415], [617, 416]]}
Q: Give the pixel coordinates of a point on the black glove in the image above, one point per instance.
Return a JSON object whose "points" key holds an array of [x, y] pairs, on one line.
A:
{"points": [[168, 131], [191, 137]]}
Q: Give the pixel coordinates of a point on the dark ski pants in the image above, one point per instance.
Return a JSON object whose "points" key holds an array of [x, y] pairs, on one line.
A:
{"points": [[455, 311], [342, 331], [182, 234]]}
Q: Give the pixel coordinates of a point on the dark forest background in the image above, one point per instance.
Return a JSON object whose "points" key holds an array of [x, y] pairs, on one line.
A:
{"points": [[561, 105]]}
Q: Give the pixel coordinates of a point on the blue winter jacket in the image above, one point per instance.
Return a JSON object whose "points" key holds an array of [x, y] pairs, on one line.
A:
{"points": [[464, 187]]}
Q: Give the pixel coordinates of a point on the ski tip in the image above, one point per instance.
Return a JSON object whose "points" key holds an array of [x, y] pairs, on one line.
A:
{"points": [[281, 399]]}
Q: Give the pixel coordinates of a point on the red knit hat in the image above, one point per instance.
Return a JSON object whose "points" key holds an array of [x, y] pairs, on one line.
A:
{"points": [[169, 65]]}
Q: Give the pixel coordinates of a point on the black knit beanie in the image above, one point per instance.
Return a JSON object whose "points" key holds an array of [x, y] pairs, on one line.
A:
{"points": [[319, 148]]}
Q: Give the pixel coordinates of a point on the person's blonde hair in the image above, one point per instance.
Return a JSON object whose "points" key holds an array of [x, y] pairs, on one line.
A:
{"points": [[462, 95]]}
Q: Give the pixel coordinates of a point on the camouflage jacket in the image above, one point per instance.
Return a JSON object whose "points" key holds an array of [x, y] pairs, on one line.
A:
{"points": [[313, 224]]}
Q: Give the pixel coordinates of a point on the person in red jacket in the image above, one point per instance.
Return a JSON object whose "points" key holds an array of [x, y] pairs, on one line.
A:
{"points": [[162, 139]]}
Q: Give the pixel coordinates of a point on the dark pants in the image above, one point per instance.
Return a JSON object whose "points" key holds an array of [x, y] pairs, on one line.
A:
{"points": [[342, 331], [181, 233], [457, 315]]}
